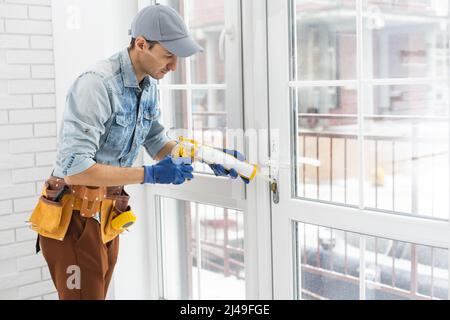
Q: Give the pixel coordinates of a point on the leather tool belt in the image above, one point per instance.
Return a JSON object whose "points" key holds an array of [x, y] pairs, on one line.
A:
{"points": [[52, 214], [88, 199]]}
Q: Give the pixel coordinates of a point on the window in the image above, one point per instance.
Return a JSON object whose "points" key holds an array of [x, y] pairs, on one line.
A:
{"points": [[330, 262], [394, 107], [361, 91], [199, 225], [202, 250], [196, 92]]}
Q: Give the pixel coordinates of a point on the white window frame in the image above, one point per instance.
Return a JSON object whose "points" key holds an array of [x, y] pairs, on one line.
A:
{"points": [[253, 200], [290, 209]]}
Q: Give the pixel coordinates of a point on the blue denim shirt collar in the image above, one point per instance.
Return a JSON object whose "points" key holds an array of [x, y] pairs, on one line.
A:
{"points": [[128, 74]]}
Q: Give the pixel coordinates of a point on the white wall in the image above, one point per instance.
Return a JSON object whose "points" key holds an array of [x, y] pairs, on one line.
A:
{"points": [[27, 141], [40, 57], [85, 32]]}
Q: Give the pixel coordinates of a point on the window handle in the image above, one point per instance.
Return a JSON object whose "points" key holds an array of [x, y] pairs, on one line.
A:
{"points": [[227, 31], [275, 191]]}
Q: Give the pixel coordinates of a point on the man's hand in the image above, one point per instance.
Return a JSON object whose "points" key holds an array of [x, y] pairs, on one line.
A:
{"points": [[169, 170], [219, 170]]}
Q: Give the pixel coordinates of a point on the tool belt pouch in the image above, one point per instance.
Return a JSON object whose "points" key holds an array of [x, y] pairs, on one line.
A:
{"points": [[91, 200], [110, 210], [50, 218]]}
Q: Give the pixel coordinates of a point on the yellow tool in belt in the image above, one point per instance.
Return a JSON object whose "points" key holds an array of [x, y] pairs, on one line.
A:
{"points": [[123, 221]]}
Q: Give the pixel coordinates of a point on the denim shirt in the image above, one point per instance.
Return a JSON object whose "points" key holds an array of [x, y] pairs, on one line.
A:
{"points": [[104, 120]]}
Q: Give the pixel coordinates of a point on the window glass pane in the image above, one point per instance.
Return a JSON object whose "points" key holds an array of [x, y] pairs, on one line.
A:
{"points": [[203, 251], [398, 270], [406, 100], [324, 40], [406, 148], [406, 39], [209, 121], [329, 261], [200, 114], [174, 103], [208, 110], [327, 132], [206, 21], [406, 125]]}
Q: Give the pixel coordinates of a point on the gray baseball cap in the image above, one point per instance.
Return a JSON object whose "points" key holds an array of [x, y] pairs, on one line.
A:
{"points": [[163, 24]]}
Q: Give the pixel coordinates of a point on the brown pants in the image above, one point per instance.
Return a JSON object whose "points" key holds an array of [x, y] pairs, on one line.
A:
{"points": [[81, 265]]}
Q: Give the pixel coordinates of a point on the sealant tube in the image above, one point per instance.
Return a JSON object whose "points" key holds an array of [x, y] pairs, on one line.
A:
{"points": [[192, 149]]}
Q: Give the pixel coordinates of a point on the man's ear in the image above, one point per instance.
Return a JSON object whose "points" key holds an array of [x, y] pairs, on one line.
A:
{"points": [[140, 43]]}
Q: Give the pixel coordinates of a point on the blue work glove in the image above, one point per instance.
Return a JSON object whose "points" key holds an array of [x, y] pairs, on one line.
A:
{"points": [[219, 170], [169, 170]]}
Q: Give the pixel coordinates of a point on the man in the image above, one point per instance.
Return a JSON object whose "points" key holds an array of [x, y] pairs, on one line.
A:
{"points": [[111, 111]]}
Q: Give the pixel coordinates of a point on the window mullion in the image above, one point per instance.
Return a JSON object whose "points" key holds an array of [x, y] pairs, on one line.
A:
{"points": [[448, 146], [162, 291], [360, 99], [362, 268], [361, 160], [188, 73]]}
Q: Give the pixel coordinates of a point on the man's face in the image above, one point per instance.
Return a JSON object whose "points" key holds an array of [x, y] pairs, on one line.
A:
{"points": [[157, 61]]}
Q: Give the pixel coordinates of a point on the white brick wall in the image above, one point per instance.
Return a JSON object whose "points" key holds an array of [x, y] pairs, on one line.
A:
{"points": [[27, 141], [5, 207], [30, 174], [24, 234], [25, 160], [40, 13], [10, 41], [15, 102], [13, 11], [30, 262], [32, 145], [3, 117], [14, 72], [6, 236], [36, 289], [29, 56], [41, 42], [44, 100], [28, 27], [38, 2], [45, 130], [32, 116], [16, 191], [43, 72], [13, 132], [45, 158], [30, 86], [19, 278]]}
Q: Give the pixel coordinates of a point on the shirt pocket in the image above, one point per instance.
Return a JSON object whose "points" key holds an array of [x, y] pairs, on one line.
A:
{"points": [[152, 114], [149, 116], [120, 131]]}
